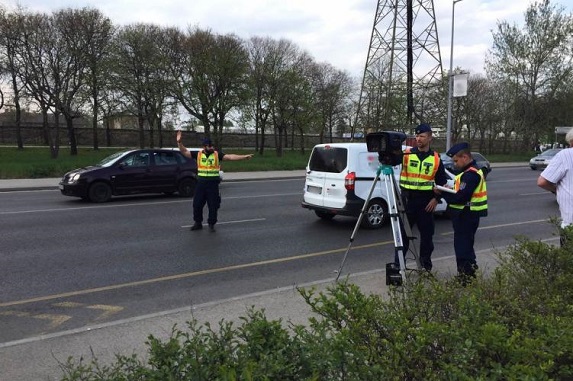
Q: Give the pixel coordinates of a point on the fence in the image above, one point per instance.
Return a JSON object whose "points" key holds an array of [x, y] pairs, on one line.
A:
{"points": [[35, 135]]}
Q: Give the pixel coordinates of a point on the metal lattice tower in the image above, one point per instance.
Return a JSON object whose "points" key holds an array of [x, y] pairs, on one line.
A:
{"points": [[403, 66]]}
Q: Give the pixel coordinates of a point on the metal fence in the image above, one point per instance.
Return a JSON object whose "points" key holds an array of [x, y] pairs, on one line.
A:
{"points": [[36, 136]]}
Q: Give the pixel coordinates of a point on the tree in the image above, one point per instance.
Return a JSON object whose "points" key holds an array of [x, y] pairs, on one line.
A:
{"points": [[268, 59], [537, 58], [98, 31], [9, 41], [210, 76], [332, 88], [37, 55], [139, 75]]}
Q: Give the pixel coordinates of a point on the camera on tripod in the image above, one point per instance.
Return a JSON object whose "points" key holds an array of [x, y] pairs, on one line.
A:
{"points": [[388, 144]]}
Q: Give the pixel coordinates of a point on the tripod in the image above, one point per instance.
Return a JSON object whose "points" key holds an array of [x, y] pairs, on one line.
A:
{"points": [[394, 275]]}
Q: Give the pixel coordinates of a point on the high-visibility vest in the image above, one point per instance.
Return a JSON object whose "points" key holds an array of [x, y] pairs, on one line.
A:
{"points": [[208, 166], [416, 174], [478, 201]]}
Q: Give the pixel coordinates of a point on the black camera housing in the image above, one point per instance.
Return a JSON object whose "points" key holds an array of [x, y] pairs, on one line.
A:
{"points": [[388, 144]]}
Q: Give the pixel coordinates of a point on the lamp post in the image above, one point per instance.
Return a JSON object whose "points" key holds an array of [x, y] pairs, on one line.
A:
{"points": [[451, 82]]}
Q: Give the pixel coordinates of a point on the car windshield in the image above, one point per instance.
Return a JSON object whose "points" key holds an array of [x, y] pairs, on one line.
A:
{"points": [[108, 161], [550, 152]]}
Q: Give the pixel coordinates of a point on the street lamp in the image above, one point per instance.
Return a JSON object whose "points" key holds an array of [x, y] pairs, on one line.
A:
{"points": [[451, 82]]}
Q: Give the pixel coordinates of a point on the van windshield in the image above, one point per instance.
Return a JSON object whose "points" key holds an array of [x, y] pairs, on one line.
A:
{"points": [[328, 159]]}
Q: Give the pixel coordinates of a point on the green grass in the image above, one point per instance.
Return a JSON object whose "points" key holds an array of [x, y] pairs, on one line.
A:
{"points": [[35, 162]]}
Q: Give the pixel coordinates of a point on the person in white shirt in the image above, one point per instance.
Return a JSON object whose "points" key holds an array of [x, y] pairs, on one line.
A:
{"points": [[558, 178]]}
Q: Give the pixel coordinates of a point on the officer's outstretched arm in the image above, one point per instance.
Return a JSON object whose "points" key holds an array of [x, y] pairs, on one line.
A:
{"points": [[235, 157]]}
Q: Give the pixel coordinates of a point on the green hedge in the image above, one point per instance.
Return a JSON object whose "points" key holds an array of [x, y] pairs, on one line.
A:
{"points": [[516, 324]]}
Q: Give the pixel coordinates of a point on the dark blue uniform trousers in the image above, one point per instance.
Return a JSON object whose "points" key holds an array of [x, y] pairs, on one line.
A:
{"points": [[465, 226], [425, 221], [417, 216], [206, 192]]}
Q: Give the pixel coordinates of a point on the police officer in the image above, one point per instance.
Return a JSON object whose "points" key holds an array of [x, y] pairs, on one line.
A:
{"points": [[466, 207], [207, 189], [421, 167]]}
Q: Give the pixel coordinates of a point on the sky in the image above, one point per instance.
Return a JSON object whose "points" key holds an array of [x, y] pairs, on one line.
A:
{"points": [[333, 31]]}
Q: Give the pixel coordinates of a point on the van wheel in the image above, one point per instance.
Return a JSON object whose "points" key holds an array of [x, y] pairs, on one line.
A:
{"points": [[376, 214], [324, 215]]}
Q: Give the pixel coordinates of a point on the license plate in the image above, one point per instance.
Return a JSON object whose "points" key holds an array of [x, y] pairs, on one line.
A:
{"points": [[61, 187], [314, 189]]}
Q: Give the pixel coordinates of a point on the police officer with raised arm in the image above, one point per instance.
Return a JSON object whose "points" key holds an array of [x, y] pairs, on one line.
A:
{"points": [[207, 189]]}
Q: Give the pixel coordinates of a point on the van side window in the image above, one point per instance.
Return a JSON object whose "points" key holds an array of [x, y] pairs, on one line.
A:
{"points": [[327, 159]]}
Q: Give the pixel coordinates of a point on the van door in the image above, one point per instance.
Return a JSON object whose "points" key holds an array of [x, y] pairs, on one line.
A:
{"points": [[325, 174]]}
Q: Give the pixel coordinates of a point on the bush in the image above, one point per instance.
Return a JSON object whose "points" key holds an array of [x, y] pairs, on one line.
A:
{"points": [[517, 324]]}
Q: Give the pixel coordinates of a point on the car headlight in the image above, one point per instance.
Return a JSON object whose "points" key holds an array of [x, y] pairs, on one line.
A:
{"points": [[74, 178]]}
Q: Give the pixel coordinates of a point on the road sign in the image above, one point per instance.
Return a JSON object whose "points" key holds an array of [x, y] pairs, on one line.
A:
{"points": [[562, 130]]}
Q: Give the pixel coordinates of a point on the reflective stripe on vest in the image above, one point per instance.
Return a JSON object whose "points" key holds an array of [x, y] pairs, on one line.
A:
{"points": [[208, 166], [478, 201], [420, 176]]}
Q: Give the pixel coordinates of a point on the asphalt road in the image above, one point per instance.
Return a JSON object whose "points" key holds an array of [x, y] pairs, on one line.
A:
{"points": [[65, 263]]}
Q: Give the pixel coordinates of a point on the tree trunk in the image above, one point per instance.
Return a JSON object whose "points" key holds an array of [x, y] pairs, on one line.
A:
{"points": [[71, 135], [94, 124]]}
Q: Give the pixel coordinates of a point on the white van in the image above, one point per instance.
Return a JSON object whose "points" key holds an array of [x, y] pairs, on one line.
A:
{"points": [[339, 177]]}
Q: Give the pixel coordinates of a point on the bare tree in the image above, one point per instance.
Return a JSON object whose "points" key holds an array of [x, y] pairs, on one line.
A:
{"points": [[37, 50], [10, 31], [98, 31], [270, 59], [331, 89]]}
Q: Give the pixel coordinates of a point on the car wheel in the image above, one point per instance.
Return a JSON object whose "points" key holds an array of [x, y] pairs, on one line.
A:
{"points": [[99, 192], [186, 187], [324, 215], [376, 214], [533, 167]]}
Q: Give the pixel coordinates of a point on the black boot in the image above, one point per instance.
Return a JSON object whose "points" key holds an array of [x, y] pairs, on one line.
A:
{"points": [[197, 226]]}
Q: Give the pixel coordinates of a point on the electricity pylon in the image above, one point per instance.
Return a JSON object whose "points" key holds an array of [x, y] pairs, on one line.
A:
{"points": [[403, 66]]}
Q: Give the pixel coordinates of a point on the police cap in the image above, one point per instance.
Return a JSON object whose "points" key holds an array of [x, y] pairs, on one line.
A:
{"points": [[207, 142], [457, 148], [423, 128]]}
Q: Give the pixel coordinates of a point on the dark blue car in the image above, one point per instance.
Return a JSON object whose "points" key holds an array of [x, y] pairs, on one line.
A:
{"points": [[134, 171]]}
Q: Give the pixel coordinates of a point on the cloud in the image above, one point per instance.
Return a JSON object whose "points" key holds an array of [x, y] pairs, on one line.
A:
{"points": [[333, 31]]}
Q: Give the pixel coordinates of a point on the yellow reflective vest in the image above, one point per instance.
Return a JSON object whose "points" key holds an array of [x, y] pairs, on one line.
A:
{"points": [[208, 165], [418, 174], [478, 201]]}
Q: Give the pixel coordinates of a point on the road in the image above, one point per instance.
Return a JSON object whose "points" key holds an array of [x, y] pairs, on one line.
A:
{"points": [[65, 263]]}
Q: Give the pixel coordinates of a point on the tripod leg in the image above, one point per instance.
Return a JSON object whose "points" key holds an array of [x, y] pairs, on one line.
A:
{"points": [[357, 226], [405, 222], [395, 221]]}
